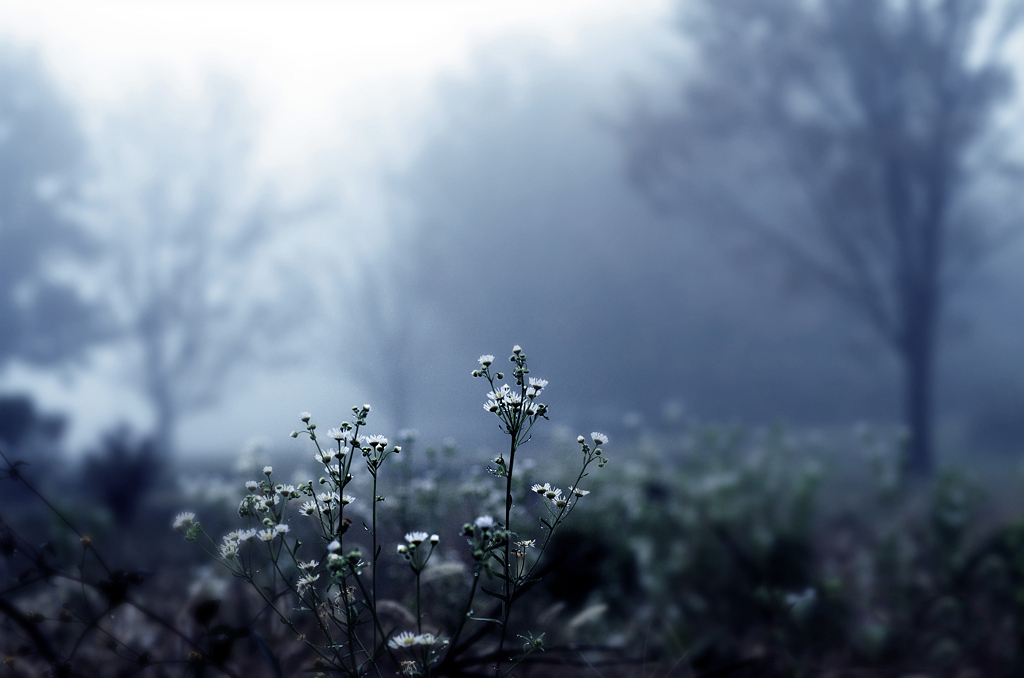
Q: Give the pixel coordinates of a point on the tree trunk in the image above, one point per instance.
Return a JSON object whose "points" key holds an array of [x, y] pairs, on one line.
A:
{"points": [[164, 430], [919, 368]]}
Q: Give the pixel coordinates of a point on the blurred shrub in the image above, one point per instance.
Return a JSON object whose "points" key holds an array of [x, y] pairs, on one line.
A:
{"points": [[121, 473]]}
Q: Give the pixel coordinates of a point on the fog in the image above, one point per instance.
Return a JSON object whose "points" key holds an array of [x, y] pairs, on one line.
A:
{"points": [[215, 218]]}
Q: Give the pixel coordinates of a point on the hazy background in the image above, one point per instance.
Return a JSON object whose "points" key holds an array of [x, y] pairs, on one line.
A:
{"points": [[217, 215]]}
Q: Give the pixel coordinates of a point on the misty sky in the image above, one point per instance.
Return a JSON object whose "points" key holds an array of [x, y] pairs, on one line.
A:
{"points": [[411, 156], [343, 94]]}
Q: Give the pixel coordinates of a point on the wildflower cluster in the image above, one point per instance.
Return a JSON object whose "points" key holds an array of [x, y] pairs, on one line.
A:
{"points": [[518, 409], [338, 585]]}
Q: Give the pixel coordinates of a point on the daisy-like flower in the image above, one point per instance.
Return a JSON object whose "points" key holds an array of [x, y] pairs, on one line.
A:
{"points": [[334, 546], [337, 434], [229, 550], [183, 521], [376, 441], [247, 535], [308, 508], [538, 384], [434, 539], [500, 394], [324, 457], [416, 538], [234, 535], [282, 529], [486, 360], [305, 417], [285, 490], [306, 582], [491, 406], [532, 409], [527, 544], [308, 566], [347, 499], [578, 492], [267, 470], [484, 522], [541, 489], [598, 438], [252, 485], [553, 493], [328, 499], [267, 535], [427, 639], [516, 349], [404, 639]]}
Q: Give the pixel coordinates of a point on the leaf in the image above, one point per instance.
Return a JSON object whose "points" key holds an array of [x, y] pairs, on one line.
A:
{"points": [[495, 594], [485, 619]]}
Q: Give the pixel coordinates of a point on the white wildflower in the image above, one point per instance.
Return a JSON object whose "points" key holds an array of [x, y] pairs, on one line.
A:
{"points": [[486, 360], [305, 417], [491, 406], [183, 521], [538, 384], [484, 522], [598, 438], [404, 639], [252, 485], [282, 529], [267, 535], [308, 508], [416, 538], [334, 546], [426, 639], [267, 470], [306, 582]]}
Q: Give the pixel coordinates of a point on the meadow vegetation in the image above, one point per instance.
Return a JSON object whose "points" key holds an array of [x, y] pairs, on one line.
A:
{"points": [[699, 550]]}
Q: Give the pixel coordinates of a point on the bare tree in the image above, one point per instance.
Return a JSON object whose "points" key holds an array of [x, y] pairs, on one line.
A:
{"points": [[43, 316], [187, 230], [858, 139]]}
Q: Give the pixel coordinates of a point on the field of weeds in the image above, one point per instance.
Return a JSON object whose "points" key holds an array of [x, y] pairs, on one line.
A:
{"points": [[706, 551]]}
